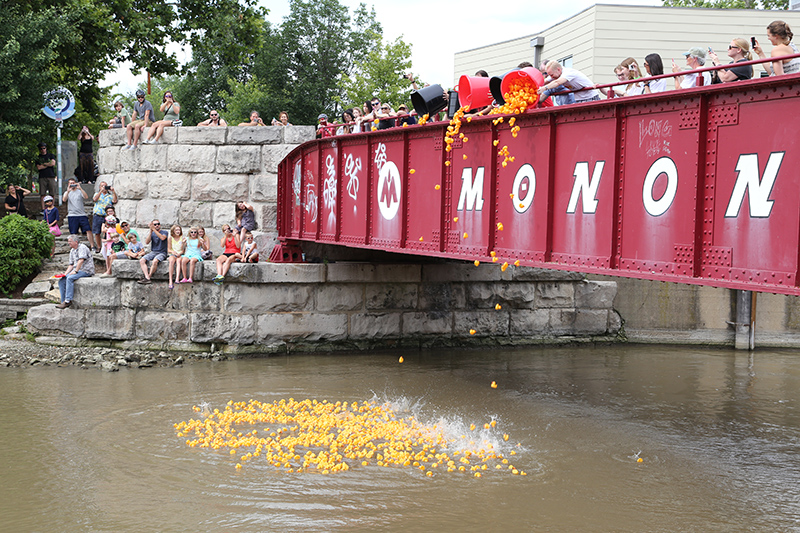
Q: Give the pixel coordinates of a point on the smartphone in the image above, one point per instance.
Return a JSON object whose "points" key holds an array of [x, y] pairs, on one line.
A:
{"points": [[710, 50], [753, 42]]}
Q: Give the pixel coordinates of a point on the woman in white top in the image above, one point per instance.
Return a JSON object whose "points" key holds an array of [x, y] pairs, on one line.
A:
{"points": [[628, 70], [654, 67], [780, 35]]}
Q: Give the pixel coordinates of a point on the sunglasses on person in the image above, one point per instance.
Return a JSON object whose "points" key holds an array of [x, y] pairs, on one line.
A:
{"points": [[156, 223], [213, 115], [192, 233], [730, 47]]}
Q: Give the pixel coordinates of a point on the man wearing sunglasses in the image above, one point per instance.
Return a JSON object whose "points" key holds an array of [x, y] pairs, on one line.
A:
{"points": [[157, 238], [142, 118], [214, 119]]}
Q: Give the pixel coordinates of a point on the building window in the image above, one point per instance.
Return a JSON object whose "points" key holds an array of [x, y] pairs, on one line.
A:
{"points": [[566, 62]]}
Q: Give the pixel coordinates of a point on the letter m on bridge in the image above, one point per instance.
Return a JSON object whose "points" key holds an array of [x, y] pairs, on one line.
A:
{"points": [[471, 191]]}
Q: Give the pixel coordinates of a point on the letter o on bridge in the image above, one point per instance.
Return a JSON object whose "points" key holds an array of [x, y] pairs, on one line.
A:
{"points": [[663, 165], [523, 200]]}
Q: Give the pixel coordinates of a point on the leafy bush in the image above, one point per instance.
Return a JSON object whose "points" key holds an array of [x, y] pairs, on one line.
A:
{"points": [[24, 245]]}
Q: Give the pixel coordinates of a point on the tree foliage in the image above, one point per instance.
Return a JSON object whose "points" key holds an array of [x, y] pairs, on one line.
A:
{"points": [[28, 42], [730, 4], [381, 75], [76, 43]]}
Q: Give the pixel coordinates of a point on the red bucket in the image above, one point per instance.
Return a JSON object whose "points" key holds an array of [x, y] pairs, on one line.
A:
{"points": [[474, 92], [532, 74]]}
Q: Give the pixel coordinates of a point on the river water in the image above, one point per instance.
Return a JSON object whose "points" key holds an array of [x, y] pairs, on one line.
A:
{"points": [[717, 432]]}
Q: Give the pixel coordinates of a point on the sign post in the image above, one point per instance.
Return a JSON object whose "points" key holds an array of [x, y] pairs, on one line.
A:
{"points": [[59, 104]]}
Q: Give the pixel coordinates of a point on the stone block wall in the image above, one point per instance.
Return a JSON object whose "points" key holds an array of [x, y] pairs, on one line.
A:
{"points": [[269, 308], [196, 175]]}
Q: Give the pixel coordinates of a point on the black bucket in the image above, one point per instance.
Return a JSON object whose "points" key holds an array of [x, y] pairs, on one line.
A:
{"points": [[428, 100]]}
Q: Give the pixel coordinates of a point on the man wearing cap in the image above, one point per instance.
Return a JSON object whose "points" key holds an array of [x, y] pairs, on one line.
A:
{"points": [[403, 117], [695, 58], [143, 111], [45, 164], [322, 130]]}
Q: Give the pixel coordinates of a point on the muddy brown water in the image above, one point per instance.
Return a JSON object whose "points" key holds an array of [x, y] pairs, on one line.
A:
{"points": [[718, 433]]}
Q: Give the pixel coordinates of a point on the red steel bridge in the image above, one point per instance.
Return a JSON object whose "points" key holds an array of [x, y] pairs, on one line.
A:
{"points": [[696, 186]]}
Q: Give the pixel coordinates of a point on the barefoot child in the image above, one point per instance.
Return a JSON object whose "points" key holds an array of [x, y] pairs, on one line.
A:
{"points": [[231, 252], [194, 249], [175, 247], [249, 249]]}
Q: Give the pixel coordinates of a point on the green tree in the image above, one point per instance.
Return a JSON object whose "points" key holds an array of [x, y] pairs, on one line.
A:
{"points": [[28, 42], [730, 4], [323, 44], [381, 74], [246, 97]]}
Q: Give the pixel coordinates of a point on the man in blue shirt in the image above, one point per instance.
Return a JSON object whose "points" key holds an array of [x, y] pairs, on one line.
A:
{"points": [[157, 238]]}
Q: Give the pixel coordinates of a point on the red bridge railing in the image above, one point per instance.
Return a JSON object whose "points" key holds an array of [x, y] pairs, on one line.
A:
{"points": [[696, 186]]}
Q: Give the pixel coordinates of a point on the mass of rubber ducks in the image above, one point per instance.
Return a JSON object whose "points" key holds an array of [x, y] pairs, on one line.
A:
{"points": [[326, 438]]}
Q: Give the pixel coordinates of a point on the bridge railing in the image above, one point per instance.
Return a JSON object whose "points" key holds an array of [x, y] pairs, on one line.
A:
{"points": [[696, 186]]}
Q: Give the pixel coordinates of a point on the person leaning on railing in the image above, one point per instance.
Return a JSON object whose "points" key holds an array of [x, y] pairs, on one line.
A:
{"points": [[780, 35], [628, 70], [654, 67], [695, 58], [738, 51]]}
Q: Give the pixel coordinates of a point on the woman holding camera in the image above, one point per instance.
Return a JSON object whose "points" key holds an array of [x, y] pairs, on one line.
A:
{"points": [[14, 200], [172, 114], [738, 51], [85, 156], [232, 252], [780, 35], [104, 197]]}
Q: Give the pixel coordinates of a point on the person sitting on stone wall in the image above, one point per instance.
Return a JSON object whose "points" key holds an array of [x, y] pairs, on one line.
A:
{"points": [[206, 246], [127, 232], [214, 120], [135, 249], [249, 249], [172, 117], [176, 245], [231, 246], [81, 265], [143, 115], [255, 120], [192, 255], [121, 118], [283, 119], [245, 219], [157, 239]]}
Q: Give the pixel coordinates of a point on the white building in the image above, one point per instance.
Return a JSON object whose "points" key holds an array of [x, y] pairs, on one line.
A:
{"points": [[598, 38]]}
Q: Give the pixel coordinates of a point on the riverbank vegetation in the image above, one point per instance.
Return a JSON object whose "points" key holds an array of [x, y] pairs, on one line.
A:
{"points": [[24, 245]]}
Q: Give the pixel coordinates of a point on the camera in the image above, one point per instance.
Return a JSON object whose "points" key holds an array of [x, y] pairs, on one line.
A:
{"points": [[405, 76], [108, 188]]}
